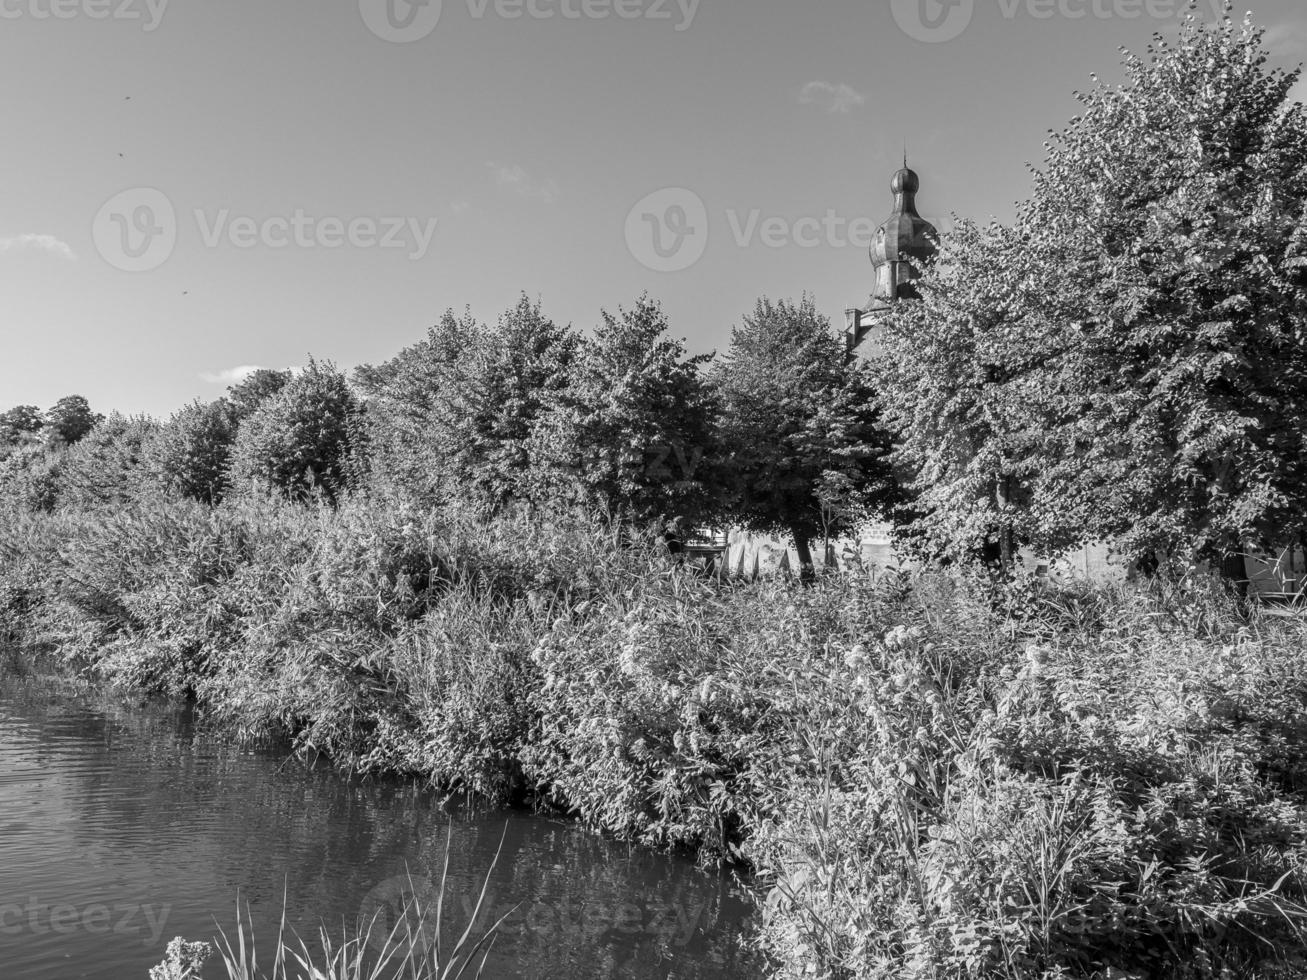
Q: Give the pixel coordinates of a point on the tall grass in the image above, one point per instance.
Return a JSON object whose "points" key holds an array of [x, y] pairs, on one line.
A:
{"points": [[413, 948], [931, 775]]}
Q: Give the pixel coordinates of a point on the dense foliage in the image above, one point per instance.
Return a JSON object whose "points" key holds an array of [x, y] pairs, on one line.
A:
{"points": [[191, 454], [302, 440], [799, 427], [632, 430], [1129, 361], [942, 774], [932, 776]]}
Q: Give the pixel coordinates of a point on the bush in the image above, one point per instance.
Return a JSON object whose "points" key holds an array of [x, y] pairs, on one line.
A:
{"points": [[301, 440], [190, 455], [930, 775], [29, 478], [107, 465]]}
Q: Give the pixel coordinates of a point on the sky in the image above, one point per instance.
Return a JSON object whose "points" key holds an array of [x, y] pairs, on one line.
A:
{"points": [[192, 188]]}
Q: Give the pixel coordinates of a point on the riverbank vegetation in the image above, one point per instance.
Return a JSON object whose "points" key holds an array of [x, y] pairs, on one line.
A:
{"points": [[928, 772], [455, 565]]}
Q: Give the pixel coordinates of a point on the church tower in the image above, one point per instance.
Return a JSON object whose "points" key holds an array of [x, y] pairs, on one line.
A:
{"points": [[903, 245]]}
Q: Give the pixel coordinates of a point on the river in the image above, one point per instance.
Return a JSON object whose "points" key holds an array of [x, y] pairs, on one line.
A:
{"points": [[123, 824]]}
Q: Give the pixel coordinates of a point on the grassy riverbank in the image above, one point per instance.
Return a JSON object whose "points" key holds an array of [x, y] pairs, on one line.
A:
{"points": [[931, 776]]}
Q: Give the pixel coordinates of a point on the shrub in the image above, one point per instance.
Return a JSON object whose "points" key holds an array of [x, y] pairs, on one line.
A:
{"points": [[190, 455], [107, 465], [300, 440], [930, 776]]}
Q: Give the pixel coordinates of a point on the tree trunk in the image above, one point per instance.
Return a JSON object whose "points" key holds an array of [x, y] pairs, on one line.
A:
{"points": [[807, 572]]}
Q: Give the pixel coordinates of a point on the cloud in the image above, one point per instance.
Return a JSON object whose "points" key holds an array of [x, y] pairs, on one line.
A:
{"points": [[230, 376], [43, 243], [833, 98], [520, 182]]}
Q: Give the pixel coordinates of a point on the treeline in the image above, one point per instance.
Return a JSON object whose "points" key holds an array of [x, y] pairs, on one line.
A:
{"points": [[779, 434], [1126, 362]]}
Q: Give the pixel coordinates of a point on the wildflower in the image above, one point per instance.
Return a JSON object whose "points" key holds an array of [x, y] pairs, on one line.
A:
{"points": [[897, 637], [856, 657]]}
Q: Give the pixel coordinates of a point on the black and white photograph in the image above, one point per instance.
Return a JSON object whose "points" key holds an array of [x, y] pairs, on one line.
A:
{"points": [[653, 490]]}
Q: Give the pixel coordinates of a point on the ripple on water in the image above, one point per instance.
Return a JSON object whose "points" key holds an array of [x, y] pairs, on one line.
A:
{"points": [[122, 826]]}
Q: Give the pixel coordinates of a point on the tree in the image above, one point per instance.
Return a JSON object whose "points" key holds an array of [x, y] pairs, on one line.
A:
{"points": [[19, 423], [960, 381], [191, 454], [106, 466], [453, 417], [415, 401], [1145, 322], [510, 379], [245, 397], [633, 430], [302, 440], [797, 418], [69, 420]]}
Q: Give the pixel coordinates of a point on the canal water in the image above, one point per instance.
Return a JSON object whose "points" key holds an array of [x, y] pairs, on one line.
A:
{"points": [[124, 824]]}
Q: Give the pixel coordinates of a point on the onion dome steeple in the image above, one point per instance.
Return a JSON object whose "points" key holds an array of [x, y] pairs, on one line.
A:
{"points": [[904, 243], [902, 246]]}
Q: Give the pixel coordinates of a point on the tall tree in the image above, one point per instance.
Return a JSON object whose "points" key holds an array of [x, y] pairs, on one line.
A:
{"points": [[454, 416], [1132, 355], [413, 401], [960, 381], [302, 440], [190, 454], [245, 397], [69, 420], [519, 370], [797, 416], [19, 426], [19, 422], [633, 430]]}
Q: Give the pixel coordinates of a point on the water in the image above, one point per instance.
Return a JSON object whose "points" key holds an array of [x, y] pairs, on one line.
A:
{"points": [[123, 825]]}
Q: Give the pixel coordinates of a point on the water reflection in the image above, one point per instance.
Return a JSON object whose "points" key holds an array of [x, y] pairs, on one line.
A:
{"points": [[122, 825]]}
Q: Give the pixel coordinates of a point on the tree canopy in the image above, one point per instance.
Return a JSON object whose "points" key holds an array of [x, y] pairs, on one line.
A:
{"points": [[798, 420], [632, 428], [1129, 360]]}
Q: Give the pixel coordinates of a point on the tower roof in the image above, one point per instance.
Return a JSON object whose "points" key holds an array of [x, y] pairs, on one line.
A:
{"points": [[906, 235]]}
